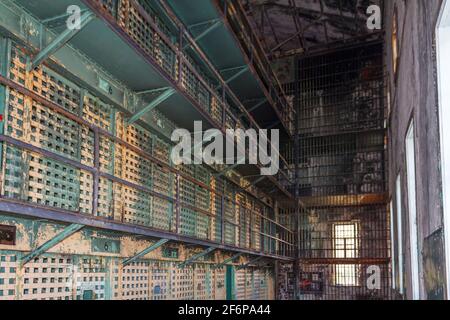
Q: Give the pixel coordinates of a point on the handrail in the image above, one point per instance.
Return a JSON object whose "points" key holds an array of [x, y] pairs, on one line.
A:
{"points": [[234, 8], [95, 170], [96, 5]]}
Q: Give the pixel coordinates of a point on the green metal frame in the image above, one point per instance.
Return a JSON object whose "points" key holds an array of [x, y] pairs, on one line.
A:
{"points": [[243, 266], [231, 259], [196, 257], [230, 278], [259, 104], [61, 40], [5, 57], [152, 105], [63, 59], [214, 24], [153, 247], [240, 72], [67, 232]]}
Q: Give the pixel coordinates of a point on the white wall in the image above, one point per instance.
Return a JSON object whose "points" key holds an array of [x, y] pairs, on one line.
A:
{"points": [[412, 210]]}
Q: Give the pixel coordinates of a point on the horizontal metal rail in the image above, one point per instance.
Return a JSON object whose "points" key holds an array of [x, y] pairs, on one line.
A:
{"points": [[255, 58], [346, 261], [223, 82], [56, 108], [15, 207], [112, 23], [49, 154], [97, 173]]}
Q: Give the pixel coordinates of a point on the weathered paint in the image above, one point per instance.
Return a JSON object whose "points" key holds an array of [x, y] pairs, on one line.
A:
{"points": [[413, 95]]}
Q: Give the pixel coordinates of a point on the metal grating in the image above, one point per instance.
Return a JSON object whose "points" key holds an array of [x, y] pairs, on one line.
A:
{"points": [[48, 278], [70, 277], [135, 281], [160, 280], [320, 282], [286, 281], [203, 283], [50, 159], [182, 283], [8, 279], [252, 284], [346, 164], [139, 21], [318, 239], [344, 228]]}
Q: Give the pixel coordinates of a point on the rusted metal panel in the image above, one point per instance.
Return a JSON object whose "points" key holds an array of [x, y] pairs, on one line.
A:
{"points": [[434, 266]]}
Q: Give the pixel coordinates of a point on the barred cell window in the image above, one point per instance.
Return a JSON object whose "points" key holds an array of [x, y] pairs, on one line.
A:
{"points": [[346, 246]]}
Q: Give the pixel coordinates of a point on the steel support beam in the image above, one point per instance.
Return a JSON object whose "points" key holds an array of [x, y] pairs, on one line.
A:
{"points": [[151, 91], [196, 257], [256, 106], [60, 17], [231, 259], [201, 24], [61, 40], [152, 105], [241, 71], [153, 247], [5, 58], [11, 207], [248, 263], [67, 232], [215, 24]]}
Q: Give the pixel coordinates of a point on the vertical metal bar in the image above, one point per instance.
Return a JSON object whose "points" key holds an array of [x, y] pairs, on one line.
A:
{"points": [[296, 237], [224, 109], [177, 203], [222, 223], [180, 56], [5, 58], [112, 165], [109, 277], [96, 175], [116, 9], [80, 130], [60, 41], [250, 229]]}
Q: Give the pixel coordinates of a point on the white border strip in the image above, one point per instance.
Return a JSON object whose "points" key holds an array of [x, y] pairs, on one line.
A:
{"points": [[443, 71]]}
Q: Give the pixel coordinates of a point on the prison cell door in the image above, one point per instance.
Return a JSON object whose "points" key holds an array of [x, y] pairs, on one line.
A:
{"points": [[230, 283]]}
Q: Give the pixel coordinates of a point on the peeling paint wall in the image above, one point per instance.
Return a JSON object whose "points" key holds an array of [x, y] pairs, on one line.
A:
{"points": [[78, 268], [414, 96]]}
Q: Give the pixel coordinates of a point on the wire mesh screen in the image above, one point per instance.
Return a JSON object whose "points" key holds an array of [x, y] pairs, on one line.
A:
{"points": [[344, 229], [356, 232], [344, 282]]}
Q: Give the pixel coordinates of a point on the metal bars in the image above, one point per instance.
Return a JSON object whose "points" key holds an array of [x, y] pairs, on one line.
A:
{"points": [[61, 40], [56, 276], [100, 173], [341, 161], [153, 247], [67, 232], [152, 105]]}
